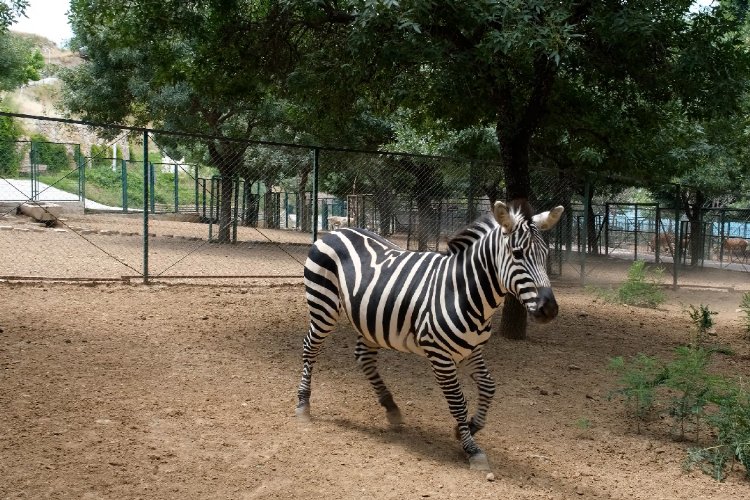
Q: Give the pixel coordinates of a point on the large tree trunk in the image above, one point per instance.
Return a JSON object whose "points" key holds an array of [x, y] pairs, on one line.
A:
{"points": [[225, 208], [515, 154], [693, 212], [227, 159], [591, 230], [304, 216]]}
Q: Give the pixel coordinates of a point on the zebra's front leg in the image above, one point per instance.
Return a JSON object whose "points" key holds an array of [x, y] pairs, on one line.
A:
{"points": [[486, 388], [446, 374], [367, 358]]}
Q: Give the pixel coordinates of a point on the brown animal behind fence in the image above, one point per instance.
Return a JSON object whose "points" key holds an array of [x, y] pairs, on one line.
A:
{"points": [[735, 247]]}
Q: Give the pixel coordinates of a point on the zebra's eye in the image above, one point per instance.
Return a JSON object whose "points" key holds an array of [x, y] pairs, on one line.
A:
{"points": [[517, 253]]}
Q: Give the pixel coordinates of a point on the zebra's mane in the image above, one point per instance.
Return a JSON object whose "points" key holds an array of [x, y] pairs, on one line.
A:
{"points": [[520, 210], [471, 233]]}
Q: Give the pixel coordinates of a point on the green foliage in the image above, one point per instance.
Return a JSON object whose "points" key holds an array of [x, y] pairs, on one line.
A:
{"points": [[54, 155], [702, 321], [10, 10], [642, 286], [11, 151], [694, 397], [583, 424], [745, 308], [639, 377], [687, 375], [20, 61], [731, 424]]}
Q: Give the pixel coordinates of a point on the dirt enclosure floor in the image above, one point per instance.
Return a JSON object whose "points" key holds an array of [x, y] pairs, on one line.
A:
{"points": [[188, 391]]}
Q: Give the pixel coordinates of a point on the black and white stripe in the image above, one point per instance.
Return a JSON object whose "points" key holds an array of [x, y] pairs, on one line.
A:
{"points": [[437, 305]]}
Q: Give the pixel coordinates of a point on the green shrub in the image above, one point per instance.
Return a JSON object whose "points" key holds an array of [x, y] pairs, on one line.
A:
{"points": [[54, 155], [703, 321], [694, 396], [642, 288], [745, 308], [639, 377], [694, 386], [11, 151], [731, 423]]}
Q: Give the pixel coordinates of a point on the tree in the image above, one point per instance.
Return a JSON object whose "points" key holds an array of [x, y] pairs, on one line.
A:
{"points": [[10, 10], [208, 66], [20, 61], [503, 64]]}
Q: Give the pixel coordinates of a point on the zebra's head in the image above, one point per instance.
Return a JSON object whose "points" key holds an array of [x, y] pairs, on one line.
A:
{"points": [[523, 257]]}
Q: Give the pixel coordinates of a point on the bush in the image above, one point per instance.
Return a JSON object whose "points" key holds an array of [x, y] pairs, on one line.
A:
{"points": [[694, 396], [745, 308], [703, 321], [639, 377], [54, 155], [731, 423], [11, 152], [641, 287], [694, 386]]}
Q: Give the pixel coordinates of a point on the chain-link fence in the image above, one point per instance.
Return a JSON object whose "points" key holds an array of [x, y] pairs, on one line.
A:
{"points": [[118, 204]]}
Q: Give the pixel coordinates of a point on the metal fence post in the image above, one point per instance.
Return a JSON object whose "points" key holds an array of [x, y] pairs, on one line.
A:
{"points": [[124, 175], [586, 203], [316, 161], [675, 255], [606, 229], [146, 189], [176, 188], [152, 187], [82, 179], [235, 211]]}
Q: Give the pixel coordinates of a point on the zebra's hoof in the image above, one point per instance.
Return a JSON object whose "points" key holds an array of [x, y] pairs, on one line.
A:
{"points": [[394, 417], [303, 413], [478, 461]]}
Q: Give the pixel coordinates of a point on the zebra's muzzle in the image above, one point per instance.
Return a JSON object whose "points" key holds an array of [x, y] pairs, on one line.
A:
{"points": [[546, 305]]}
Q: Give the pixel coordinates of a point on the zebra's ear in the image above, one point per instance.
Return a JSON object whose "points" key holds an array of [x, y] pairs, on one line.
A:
{"points": [[503, 217], [547, 220]]}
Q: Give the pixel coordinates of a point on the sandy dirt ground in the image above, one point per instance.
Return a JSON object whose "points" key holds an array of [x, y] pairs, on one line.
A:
{"points": [[178, 390]]}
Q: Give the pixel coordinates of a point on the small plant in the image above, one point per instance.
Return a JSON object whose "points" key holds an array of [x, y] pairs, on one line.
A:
{"points": [[697, 397], [745, 308], [639, 378], [583, 424], [642, 287], [731, 423], [694, 385], [702, 318]]}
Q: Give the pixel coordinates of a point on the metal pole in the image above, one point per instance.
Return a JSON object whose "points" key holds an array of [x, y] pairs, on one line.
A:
{"points": [[722, 215], [606, 228], [635, 230], [176, 188], [675, 257], [235, 215], [316, 159], [152, 187], [82, 179], [197, 193], [146, 186], [656, 235], [124, 176], [586, 203]]}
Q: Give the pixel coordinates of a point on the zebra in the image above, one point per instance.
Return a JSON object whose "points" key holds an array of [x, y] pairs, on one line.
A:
{"points": [[437, 305]]}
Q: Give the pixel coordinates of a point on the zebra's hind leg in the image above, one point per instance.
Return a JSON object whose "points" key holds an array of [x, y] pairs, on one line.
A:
{"points": [[310, 349], [367, 358], [446, 374], [486, 387]]}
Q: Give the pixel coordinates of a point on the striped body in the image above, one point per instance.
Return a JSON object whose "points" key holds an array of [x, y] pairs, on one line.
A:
{"points": [[437, 305]]}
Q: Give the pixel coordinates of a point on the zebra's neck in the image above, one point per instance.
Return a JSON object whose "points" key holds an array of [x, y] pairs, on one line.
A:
{"points": [[470, 287]]}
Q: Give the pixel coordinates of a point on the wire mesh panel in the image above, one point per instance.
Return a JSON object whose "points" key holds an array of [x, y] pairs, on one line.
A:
{"points": [[229, 208]]}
